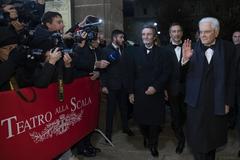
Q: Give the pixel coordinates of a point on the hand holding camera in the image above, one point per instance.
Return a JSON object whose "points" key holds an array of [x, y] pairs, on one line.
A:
{"points": [[67, 60], [11, 10], [54, 56], [87, 30], [68, 35], [17, 25]]}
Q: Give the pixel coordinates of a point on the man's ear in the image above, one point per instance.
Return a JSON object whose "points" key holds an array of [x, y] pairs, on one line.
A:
{"points": [[48, 25], [114, 38], [216, 32]]}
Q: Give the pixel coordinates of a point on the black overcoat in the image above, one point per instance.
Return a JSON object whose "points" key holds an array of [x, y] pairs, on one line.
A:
{"points": [[206, 128], [148, 70]]}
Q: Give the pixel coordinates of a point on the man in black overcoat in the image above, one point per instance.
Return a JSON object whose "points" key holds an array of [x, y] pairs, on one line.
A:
{"points": [[148, 74], [209, 89]]}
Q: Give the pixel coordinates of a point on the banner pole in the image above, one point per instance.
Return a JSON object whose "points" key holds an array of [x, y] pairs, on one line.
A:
{"points": [[104, 136]]}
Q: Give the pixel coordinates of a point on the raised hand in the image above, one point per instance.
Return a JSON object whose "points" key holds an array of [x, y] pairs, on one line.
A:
{"points": [[187, 50]]}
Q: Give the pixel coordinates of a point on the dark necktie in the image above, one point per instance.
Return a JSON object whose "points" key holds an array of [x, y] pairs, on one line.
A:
{"points": [[209, 51], [207, 47], [176, 45], [148, 50]]}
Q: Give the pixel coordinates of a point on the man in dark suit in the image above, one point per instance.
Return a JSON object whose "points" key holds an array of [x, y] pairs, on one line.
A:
{"points": [[114, 83], [209, 89], [236, 37], [148, 74], [175, 89], [234, 112], [238, 92]]}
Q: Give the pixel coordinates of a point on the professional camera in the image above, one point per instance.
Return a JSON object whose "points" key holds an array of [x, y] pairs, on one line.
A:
{"points": [[90, 27], [58, 42], [24, 55], [55, 40]]}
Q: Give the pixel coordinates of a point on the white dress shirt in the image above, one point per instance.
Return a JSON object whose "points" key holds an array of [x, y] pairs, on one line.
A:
{"points": [[149, 49], [209, 53], [178, 51], [117, 48]]}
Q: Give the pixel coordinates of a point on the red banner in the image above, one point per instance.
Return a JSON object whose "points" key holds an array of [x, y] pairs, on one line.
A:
{"points": [[47, 127]]}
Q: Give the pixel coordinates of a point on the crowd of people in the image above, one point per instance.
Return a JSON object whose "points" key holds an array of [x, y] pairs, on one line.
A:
{"points": [[199, 81]]}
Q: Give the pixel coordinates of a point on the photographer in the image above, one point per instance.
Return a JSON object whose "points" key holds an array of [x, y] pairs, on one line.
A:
{"points": [[87, 62], [51, 23], [13, 62], [47, 71], [8, 42], [54, 63], [22, 16]]}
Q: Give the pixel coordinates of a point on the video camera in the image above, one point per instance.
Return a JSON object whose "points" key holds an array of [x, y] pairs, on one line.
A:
{"points": [[90, 27]]}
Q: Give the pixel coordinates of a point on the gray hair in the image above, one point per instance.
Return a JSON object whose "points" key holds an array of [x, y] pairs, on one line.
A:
{"points": [[214, 22], [153, 28]]}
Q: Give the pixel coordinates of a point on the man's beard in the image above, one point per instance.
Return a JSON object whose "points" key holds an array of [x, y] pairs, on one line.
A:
{"points": [[119, 43]]}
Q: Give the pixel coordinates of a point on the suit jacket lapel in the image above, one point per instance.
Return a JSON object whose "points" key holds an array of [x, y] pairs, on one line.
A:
{"points": [[175, 56]]}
